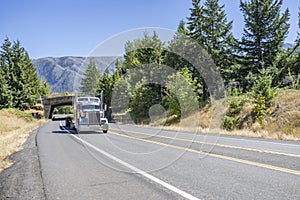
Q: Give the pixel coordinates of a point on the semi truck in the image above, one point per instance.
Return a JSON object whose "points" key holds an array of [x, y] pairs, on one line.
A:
{"points": [[89, 115]]}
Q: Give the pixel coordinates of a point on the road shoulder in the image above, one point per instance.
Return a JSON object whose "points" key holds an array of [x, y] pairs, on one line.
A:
{"points": [[23, 179]]}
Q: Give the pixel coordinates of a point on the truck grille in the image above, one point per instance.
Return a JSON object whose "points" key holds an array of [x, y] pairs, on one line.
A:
{"points": [[93, 117]]}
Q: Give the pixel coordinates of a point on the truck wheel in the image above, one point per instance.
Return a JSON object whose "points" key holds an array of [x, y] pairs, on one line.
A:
{"points": [[104, 131]]}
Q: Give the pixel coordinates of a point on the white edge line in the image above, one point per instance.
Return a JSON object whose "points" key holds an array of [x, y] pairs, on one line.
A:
{"points": [[145, 174]]}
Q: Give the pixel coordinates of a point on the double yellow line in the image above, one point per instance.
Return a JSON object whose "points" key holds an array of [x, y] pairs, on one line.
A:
{"points": [[290, 171], [217, 144]]}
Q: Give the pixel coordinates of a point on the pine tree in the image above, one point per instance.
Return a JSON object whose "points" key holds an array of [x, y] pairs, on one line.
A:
{"points": [[20, 75], [195, 21], [209, 26], [181, 28], [142, 64], [297, 64], [183, 44], [90, 80], [263, 37], [148, 50], [32, 80], [5, 91], [121, 93], [106, 83], [181, 98], [45, 88]]}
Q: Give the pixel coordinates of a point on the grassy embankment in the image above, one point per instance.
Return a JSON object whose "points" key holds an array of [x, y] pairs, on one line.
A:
{"points": [[282, 119], [15, 127]]}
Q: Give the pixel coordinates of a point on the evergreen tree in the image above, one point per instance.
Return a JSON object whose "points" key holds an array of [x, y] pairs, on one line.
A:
{"points": [[209, 26], [182, 43], [148, 50], [31, 77], [263, 37], [5, 91], [45, 88], [195, 21], [20, 75], [297, 64], [181, 98], [121, 95], [142, 64], [106, 83], [90, 80], [181, 28]]}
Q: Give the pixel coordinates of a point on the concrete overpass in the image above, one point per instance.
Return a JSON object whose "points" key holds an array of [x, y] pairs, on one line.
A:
{"points": [[52, 102]]}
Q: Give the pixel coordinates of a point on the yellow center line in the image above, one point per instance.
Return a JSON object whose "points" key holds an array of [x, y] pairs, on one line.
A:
{"points": [[290, 171], [217, 144]]}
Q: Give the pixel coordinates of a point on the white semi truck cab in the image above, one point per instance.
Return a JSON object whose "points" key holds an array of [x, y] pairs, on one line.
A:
{"points": [[89, 115]]}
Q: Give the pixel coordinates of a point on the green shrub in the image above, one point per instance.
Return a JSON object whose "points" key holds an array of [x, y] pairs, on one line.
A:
{"points": [[235, 105], [260, 109], [263, 94], [230, 123], [63, 110]]}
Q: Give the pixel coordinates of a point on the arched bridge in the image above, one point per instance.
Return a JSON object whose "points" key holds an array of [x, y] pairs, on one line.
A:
{"points": [[52, 102]]}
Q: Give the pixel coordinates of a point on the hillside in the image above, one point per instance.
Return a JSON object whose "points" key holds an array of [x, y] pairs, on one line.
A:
{"points": [[282, 121], [65, 73]]}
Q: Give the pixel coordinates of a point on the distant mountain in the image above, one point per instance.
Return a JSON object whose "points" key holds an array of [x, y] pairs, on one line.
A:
{"points": [[64, 74], [288, 46]]}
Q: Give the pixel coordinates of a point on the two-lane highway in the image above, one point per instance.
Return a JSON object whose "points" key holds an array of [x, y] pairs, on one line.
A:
{"points": [[133, 162]]}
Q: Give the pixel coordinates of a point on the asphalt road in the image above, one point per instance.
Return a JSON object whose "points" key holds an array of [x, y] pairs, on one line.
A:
{"points": [[144, 163]]}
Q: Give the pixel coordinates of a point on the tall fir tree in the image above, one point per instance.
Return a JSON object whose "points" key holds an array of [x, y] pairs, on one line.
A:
{"points": [[195, 21], [143, 60], [107, 83], [208, 25], [20, 75], [45, 88], [149, 49], [5, 91], [297, 65], [263, 37], [182, 43], [91, 77]]}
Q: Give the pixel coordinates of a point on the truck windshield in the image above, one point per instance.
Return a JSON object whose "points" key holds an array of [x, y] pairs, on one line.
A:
{"points": [[90, 107]]}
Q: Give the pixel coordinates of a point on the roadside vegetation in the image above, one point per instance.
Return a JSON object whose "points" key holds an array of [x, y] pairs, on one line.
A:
{"points": [[20, 92], [280, 121], [261, 77], [15, 126], [63, 110]]}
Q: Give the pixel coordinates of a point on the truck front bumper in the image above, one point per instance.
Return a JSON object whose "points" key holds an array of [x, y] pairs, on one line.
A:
{"points": [[93, 128]]}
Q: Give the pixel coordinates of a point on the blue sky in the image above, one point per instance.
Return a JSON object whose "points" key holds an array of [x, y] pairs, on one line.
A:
{"points": [[69, 27]]}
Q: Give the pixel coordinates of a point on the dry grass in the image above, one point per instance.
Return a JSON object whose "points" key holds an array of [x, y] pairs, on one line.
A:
{"points": [[282, 122], [284, 118], [14, 130]]}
